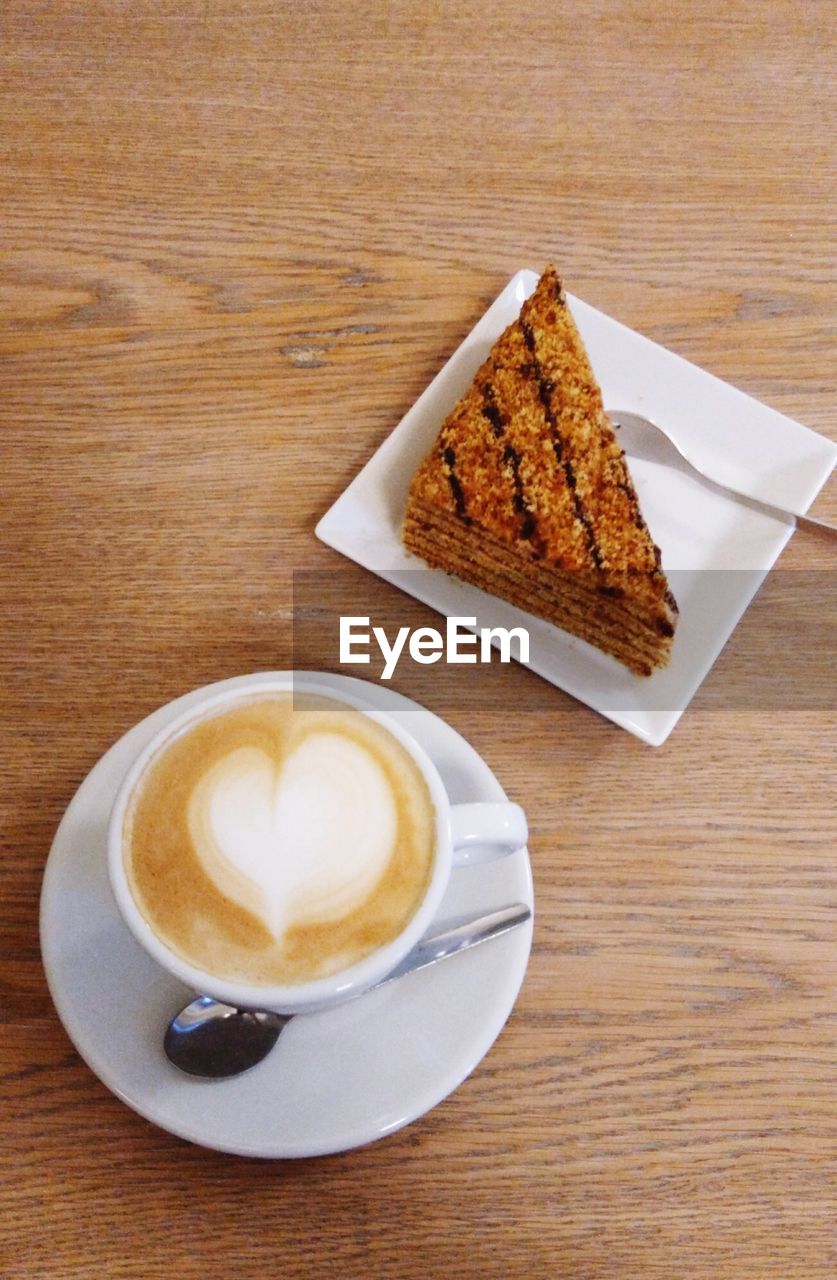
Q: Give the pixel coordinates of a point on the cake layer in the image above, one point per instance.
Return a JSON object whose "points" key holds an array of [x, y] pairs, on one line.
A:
{"points": [[623, 604], [540, 598], [639, 659], [576, 609]]}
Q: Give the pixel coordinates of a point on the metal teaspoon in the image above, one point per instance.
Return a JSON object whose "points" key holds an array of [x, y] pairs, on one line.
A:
{"points": [[214, 1040]]}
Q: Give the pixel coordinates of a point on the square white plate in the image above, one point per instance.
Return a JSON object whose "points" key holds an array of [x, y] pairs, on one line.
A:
{"points": [[716, 551]]}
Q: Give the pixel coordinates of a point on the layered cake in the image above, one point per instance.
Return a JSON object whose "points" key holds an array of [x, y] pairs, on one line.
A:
{"points": [[526, 493]]}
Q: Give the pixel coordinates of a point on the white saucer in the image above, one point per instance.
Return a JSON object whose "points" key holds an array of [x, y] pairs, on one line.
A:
{"points": [[716, 551], [336, 1079]]}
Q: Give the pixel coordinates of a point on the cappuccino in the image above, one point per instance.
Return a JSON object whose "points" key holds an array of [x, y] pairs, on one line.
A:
{"points": [[278, 841]]}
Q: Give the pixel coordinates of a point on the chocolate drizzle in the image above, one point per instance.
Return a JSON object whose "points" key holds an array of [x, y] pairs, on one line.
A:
{"points": [[491, 411], [512, 459], [630, 493], [546, 389], [449, 457]]}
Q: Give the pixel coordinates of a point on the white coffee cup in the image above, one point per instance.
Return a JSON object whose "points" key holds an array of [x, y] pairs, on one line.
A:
{"points": [[465, 833]]}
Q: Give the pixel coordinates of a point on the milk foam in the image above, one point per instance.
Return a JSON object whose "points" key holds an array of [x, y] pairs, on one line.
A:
{"points": [[298, 841]]}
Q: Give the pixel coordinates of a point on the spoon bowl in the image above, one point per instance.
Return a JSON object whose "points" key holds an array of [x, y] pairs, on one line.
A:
{"points": [[214, 1040]]}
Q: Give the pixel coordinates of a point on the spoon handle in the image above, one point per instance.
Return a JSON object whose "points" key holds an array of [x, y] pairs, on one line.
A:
{"points": [[625, 419], [458, 937]]}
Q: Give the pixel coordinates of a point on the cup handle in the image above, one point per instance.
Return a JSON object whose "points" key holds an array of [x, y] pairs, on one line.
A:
{"points": [[485, 831]]}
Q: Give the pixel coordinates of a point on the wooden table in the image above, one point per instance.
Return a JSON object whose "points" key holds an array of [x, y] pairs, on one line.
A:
{"points": [[237, 241]]}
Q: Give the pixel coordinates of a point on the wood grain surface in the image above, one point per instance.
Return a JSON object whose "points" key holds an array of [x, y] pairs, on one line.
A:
{"points": [[237, 240]]}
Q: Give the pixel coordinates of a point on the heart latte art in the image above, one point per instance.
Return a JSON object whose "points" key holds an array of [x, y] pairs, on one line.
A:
{"points": [[300, 843], [269, 844]]}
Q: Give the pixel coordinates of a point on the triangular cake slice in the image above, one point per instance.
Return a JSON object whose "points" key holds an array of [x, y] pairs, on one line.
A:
{"points": [[526, 493]]}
